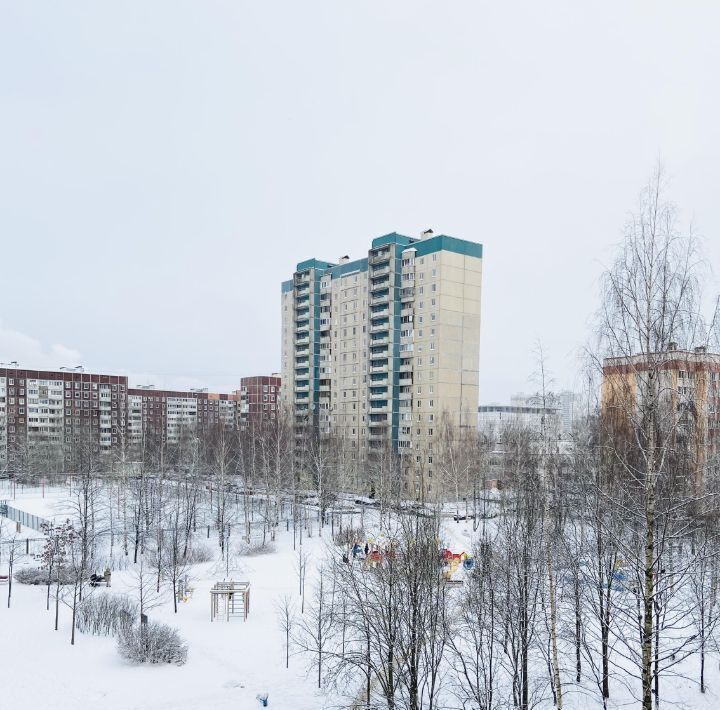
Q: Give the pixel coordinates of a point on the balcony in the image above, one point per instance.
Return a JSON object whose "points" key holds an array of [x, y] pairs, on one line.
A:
{"points": [[405, 396], [380, 284], [302, 339], [379, 395], [406, 368], [379, 368], [379, 340], [379, 257], [379, 327], [407, 294], [377, 437], [405, 377], [380, 312], [378, 381], [380, 271], [379, 407], [384, 298], [302, 351], [324, 388]]}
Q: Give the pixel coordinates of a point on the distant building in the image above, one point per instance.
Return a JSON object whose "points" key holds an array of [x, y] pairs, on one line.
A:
{"points": [[258, 399], [58, 409], [495, 417], [169, 414], [565, 404]]}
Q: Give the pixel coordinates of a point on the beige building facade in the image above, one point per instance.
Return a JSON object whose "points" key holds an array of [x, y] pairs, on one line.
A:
{"points": [[375, 351]]}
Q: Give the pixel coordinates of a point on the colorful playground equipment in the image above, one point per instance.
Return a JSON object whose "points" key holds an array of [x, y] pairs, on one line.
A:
{"points": [[452, 561], [376, 550]]}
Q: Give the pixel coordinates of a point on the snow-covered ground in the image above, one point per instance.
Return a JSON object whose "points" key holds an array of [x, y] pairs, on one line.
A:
{"points": [[228, 663]]}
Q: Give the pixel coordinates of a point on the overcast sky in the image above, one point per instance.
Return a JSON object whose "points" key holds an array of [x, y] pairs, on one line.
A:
{"points": [[164, 165]]}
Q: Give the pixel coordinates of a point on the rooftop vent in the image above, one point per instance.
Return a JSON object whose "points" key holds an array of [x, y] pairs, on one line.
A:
{"points": [[77, 368], [344, 259]]}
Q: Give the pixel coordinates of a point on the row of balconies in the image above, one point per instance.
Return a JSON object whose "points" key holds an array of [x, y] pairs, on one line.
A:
{"points": [[379, 257]]}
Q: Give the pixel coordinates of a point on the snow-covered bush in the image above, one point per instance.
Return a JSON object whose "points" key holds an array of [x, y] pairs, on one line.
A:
{"points": [[106, 614], [255, 547], [152, 643], [196, 555], [38, 575]]}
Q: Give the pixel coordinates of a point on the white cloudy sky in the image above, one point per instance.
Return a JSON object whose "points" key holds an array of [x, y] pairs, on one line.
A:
{"points": [[164, 164]]}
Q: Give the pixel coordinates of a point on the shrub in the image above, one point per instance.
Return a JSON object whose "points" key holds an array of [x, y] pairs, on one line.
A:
{"points": [[152, 643], [255, 547], [37, 575], [199, 554], [349, 535], [106, 614]]}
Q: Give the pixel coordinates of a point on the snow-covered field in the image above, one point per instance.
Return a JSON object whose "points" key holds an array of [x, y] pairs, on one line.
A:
{"points": [[229, 664]]}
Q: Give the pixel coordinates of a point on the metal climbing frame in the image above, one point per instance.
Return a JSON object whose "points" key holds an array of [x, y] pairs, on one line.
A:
{"points": [[229, 600]]}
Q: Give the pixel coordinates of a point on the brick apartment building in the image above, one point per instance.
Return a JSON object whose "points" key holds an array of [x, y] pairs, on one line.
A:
{"points": [[688, 386], [59, 408], [171, 413], [258, 399]]}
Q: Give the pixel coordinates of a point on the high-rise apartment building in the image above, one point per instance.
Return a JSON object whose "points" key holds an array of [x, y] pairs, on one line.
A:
{"points": [[377, 350], [59, 408], [258, 399]]}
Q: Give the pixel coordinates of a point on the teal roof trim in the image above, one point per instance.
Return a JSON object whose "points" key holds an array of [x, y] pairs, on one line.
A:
{"points": [[314, 264], [287, 286], [445, 243], [349, 268], [392, 238]]}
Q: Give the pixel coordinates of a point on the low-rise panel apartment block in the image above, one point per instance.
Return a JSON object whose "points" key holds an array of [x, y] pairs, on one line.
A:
{"points": [[376, 350]]}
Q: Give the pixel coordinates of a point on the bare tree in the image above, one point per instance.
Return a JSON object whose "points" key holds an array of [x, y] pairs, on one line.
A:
{"points": [[286, 610], [651, 311]]}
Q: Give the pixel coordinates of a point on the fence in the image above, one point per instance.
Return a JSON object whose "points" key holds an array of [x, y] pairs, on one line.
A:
{"points": [[20, 516]]}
